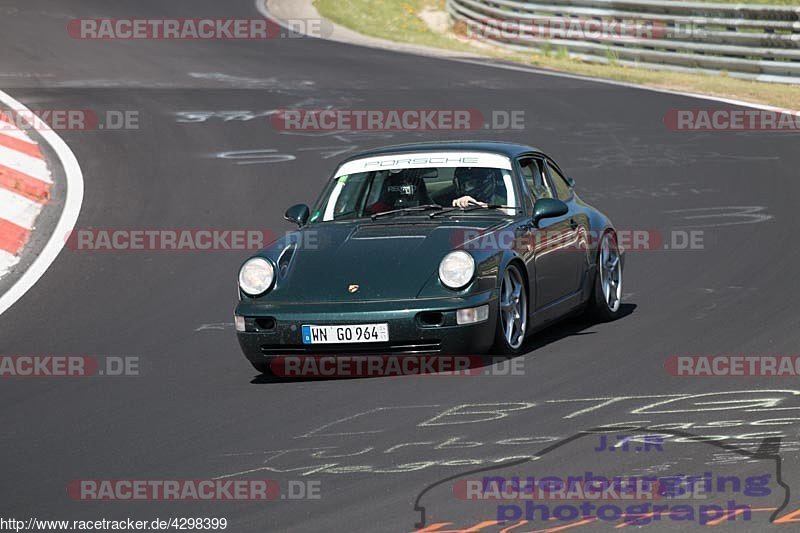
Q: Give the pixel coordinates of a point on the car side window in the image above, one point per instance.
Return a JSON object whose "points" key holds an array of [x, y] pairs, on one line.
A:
{"points": [[532, 172], [559, 182]]}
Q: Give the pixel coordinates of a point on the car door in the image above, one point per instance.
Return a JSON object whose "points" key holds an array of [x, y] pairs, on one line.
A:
{"points": [[572, 228], [550, 261]]}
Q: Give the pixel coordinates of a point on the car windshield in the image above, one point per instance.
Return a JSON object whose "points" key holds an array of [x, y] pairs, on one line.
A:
{"points": [[412, 191]]}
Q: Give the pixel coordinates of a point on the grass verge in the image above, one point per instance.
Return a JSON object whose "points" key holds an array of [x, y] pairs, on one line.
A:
{"points": [[759, 2], [401, 21]]}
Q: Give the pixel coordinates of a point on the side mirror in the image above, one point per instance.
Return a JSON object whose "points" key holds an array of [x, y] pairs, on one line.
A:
{"points": [[570, 182], [298, 214], [548, 208]]}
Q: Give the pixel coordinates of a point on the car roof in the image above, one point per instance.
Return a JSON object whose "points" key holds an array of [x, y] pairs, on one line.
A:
{"points": [[508, 149]]}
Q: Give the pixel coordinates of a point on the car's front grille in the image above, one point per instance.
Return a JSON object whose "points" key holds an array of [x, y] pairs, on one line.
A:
{"points": [[409, 347]]}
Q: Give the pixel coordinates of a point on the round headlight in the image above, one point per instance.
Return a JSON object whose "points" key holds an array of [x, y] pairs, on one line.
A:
{"points": [[256, 276], [456, 269]]}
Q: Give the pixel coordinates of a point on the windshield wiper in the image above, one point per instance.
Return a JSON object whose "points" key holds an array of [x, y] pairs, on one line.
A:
{"points": [[425, 207], [473, 207]]}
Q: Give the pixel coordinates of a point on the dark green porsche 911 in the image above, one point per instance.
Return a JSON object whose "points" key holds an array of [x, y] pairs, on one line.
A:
{"points": [[441, 248]]}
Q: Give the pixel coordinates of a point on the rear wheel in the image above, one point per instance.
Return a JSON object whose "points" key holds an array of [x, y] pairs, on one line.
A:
{"points": [[512, 316], [606, 301]]}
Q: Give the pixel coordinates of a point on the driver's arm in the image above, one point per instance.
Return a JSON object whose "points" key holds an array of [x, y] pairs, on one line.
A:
{"points": [[466, 201]]}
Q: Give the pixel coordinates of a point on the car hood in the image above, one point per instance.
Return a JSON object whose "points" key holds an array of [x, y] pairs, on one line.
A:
{"points": [[386, 260]]}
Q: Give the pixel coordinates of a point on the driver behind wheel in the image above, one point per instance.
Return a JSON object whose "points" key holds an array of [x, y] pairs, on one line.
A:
{"points": [[401, 189], [478, 186]]}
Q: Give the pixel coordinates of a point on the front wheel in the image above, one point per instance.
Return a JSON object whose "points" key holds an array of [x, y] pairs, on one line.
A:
{"points": [[512, 316], [605, 302]]}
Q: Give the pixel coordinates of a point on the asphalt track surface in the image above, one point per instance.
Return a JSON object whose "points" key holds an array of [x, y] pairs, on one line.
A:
{"points": [[198, 410]]}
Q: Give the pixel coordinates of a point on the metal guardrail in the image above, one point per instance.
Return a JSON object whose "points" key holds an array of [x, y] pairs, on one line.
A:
{"points": [[758, 42]]}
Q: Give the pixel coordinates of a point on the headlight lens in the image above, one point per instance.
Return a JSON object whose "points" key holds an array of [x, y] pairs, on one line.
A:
{"points": [[256, 276], [456, 269]]}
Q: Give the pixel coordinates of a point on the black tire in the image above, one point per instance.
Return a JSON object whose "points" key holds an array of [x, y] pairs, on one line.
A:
{"points": [[501, 345], [598, 307]]}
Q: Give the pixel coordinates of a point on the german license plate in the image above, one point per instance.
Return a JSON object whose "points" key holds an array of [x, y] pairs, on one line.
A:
{"points": [[345, 334]]}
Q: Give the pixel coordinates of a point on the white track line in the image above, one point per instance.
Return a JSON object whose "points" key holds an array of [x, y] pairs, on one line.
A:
{"points": [[69, 215]]}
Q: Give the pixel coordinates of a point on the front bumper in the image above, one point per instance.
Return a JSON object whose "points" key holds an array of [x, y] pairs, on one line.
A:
{"points": [[424, 326]]}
